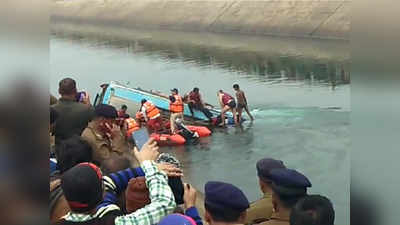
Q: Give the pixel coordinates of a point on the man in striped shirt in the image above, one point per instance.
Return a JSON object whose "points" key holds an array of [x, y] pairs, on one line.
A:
{"points": [[83, 189]]}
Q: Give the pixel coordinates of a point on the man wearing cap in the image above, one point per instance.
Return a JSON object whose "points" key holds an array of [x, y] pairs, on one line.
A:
{"points": [[104, 135], [288, 187], [73, 117], [224, 204], [261, 209]]}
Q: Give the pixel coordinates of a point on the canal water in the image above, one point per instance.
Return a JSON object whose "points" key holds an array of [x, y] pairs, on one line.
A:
{"points": [[301, 102]]}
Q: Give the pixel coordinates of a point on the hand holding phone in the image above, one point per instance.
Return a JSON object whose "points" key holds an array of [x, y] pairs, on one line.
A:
{"points": [[149, 151], [140, 137], [189, 196]]}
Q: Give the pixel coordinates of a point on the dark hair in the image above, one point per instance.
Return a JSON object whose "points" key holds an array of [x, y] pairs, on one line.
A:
{"points": [[196, 89], [313, 210], [67, 86], [71, 152], [290, 201], [124, 107], [143, 101], [236, 86], [222, 215], [221, 91]]}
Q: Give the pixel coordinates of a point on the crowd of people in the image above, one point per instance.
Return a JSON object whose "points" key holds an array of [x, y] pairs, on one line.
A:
{"points": [[98, 177]]}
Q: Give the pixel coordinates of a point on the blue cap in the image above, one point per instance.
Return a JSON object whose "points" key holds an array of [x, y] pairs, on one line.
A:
{"points": [[289, 182], [177, 219], [220, 195], [264, 166]]}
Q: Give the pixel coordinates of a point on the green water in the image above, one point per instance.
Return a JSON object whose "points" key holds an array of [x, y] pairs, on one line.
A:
{"points": [[301, 104]]}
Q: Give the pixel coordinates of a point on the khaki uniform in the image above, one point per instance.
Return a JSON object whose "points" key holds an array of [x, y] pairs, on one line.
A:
{"points": [[278, 219], [102, 147], [260, 210]]}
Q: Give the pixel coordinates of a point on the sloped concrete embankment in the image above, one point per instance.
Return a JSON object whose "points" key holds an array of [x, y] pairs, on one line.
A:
{"points": [[296, 18]]}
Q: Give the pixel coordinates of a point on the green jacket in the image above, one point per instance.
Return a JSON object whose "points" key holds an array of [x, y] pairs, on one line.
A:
{"points": [[73, 118]]}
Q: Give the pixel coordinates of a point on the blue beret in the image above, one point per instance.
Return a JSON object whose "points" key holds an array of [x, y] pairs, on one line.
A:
{"points": [[289, 182], [220, 195], [177, 219], [107, 111], [264, 166]]}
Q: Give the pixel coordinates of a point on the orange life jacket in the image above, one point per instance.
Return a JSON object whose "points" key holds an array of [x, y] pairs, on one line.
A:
{"points": [[151, 110], [131, 126], [177, 106]]}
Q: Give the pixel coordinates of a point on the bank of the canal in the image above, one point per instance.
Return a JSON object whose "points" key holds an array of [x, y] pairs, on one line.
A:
{"points": [[328, 19], [300, 101]]}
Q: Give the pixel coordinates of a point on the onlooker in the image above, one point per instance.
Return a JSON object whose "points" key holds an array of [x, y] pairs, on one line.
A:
{"points": [[104, 135], [69, 153], [53, 100], [261, 209], [313, 210], [242, 102], [83, 189], [224, 204], [177, 219], [288, 187], [73, 117]]}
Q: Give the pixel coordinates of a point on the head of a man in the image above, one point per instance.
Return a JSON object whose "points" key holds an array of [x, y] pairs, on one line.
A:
{"points": [[174, 91], [71, 152], [264, 167], [288, 186], [236, 87], [220, 92], [124, 108], [67, 88], [106, 113], [313, 210], [224, 203], [196, 90], [83, 187]]}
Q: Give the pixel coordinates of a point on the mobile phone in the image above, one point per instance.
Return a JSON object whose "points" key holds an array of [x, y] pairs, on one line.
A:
{"points": [[140, 137]]}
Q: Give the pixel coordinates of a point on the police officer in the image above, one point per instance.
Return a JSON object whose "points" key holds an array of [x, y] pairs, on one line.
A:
{"points": [[261, 209], [224, 204], [288, 187]]}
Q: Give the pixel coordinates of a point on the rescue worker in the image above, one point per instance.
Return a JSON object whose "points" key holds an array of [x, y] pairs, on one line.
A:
{"points": [[227, 103], [288, 187], [131, 125], [151, 115], [176, 109], [261, 209], [122, 115], [195, 101], [242, 102], [224, 204]]}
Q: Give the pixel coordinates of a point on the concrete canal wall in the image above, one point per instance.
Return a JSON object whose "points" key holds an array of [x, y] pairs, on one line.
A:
{"points": [[327, 19]]}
